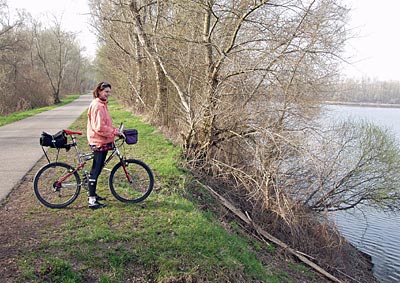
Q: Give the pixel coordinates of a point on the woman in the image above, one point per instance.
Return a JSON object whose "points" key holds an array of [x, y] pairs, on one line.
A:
{"points": [[100, 135]]}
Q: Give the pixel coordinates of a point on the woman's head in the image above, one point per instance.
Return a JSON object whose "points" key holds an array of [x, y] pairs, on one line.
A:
{"points": [[102, 90]]}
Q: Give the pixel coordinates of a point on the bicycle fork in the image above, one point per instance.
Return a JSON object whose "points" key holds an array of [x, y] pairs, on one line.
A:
{"points": [[126, 172], [122, 159]]}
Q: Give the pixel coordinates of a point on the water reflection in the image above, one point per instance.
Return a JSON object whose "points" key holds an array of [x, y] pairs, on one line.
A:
{"points": [[375, 233]]}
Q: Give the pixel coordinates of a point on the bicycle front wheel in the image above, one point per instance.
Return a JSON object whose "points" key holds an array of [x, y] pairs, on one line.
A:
{"points": [[131, 180], [56, 185]]}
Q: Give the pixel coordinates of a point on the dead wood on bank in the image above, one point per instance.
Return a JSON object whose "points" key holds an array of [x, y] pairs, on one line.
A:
{"points": [[246, 218]]}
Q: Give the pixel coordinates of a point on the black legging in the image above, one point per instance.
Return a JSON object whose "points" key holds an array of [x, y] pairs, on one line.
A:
{"points": [[98, 161]]}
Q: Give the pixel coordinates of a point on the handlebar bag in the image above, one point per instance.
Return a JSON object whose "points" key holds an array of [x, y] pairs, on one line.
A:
{"points": [[131, 136], [58, 140]]}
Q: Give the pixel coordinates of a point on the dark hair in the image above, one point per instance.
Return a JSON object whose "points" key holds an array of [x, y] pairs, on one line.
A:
{"points": [[100, 86]]}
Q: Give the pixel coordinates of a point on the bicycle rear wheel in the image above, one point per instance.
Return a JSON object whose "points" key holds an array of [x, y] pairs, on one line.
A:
{"points": [[50, 192], [131, 180]]}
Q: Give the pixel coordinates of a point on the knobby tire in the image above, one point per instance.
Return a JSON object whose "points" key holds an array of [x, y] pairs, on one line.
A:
{"points": [[141, 185], [53, 197]]}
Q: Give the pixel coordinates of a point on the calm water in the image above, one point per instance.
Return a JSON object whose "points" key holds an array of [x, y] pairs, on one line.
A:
{"points": [[376, 234]]}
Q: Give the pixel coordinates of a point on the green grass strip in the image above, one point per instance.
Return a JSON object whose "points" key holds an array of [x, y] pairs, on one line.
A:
{"points": [[4, 120]]}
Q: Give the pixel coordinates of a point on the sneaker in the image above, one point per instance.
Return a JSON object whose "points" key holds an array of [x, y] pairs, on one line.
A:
{"points": [[97, 205], [99, 197]]}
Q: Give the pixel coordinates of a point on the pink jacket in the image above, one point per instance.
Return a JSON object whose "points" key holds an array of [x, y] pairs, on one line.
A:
{"points": [[100, 130]]}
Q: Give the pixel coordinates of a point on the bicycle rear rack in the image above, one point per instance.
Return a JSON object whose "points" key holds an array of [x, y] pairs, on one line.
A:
{"points": [[67, 148]]}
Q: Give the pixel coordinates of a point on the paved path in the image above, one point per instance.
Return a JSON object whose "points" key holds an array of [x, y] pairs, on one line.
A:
{"points": [[19, 141]]}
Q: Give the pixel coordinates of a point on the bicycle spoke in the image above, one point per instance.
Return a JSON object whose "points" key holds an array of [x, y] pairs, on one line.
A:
{"points": [[50, 192], [132, 182]]}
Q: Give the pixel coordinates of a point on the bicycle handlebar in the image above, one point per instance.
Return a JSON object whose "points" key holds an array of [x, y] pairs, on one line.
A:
{"points": [[69, 132]]}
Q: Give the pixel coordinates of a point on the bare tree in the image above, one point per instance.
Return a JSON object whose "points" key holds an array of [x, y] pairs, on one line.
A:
{"points": [[354, 164], [244, 81], [245, 77], [53, 47], [124, 28], [7, 28], [241, 74], [9, 44], [160, 105], [36, 59]]}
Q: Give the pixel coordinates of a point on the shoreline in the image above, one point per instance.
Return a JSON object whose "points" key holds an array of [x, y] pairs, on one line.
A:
{"points": [[361, 104]]}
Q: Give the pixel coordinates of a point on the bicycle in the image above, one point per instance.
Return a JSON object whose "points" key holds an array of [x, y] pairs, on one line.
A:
{"points": [[58, 184]]}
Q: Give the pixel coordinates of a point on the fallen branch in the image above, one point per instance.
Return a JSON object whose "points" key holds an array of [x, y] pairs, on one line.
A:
{"points": [[246, 218]]}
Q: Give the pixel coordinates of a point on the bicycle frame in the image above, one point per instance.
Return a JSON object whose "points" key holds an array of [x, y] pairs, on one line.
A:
{"points": [[83, 158]]}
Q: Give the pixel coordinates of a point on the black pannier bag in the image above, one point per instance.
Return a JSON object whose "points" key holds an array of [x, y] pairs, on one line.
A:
{"points": [[58, 140], [131, 136]]}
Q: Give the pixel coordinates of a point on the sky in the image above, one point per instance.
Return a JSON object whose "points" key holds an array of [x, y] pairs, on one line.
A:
{"points": [[74, 16], [374, 52]]}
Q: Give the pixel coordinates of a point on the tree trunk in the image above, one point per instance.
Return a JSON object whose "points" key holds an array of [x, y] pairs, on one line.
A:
{"points": [[139, 71], [160, 105], [56, 97], [211, 75]]}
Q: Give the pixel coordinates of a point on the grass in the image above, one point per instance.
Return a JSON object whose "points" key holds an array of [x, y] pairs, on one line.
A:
{"points": [[166, 238], [4, 120]]}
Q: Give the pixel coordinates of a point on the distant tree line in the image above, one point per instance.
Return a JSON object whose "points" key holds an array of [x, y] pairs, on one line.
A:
{"points": [[366, 90], [38, 63]]}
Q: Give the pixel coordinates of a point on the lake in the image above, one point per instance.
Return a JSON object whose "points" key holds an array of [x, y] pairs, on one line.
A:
{"points": [[375, 233]]}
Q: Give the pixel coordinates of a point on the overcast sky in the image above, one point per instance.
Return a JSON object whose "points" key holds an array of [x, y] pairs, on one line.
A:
{"points": [[376, 51], [74, 15], [377, 48]]}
